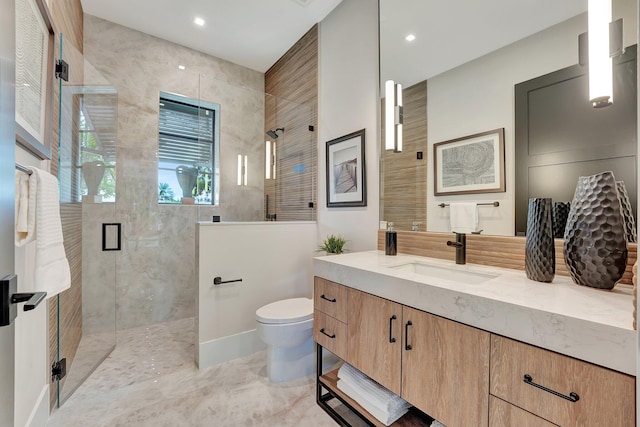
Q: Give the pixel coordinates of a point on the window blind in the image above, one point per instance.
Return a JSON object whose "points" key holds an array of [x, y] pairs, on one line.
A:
{"points": [[186, 133]]}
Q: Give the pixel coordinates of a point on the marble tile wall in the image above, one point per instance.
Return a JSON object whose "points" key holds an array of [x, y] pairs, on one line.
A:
{"points": [[156, 267]]}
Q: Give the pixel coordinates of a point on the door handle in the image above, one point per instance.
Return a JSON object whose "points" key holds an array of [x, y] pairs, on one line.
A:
{"points": [[391, 338], [407, 346], [9, 298]]}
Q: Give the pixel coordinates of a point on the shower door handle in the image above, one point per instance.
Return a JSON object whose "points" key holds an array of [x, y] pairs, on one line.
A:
{"points": [[111, 236]]}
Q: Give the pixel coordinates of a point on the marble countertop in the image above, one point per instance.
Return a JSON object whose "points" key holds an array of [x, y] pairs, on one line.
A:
{"points": [[585, 323]]}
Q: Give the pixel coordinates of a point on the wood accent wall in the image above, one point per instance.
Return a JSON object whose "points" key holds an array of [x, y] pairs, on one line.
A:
{"points": [[291, 81], [403, 189], [494, 251], [67, 18]]}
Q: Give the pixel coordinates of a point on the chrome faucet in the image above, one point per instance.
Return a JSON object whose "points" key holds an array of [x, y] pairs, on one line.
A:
{"points": [[415, 226], [461, 247]]}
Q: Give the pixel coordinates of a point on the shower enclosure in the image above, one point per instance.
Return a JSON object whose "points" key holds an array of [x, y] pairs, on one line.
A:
{"points": [[82, 319]]}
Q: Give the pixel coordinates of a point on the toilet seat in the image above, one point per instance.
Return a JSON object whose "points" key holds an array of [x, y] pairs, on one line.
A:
{"points": [[291, 310]]}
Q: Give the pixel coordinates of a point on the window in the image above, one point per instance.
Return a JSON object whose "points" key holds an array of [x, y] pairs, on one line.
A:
{"points": [[188, 171]]}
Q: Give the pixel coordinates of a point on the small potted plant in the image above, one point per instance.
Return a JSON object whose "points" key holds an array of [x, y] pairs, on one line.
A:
{"points": [[333, 245]]}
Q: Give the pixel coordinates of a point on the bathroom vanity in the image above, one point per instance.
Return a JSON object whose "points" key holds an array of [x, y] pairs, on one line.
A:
{"points": [[471, 345]]}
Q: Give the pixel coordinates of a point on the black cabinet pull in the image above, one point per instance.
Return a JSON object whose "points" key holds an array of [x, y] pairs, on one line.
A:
{"points": [[325, 298], [391, 338], [324, 333], [573, 397], [407, 346]]}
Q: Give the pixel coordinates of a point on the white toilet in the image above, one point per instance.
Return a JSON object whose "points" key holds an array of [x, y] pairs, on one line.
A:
{"points": [[286, 327]]}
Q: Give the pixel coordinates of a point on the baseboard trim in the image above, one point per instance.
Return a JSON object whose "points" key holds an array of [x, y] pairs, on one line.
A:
{"points": [[228, 348]]}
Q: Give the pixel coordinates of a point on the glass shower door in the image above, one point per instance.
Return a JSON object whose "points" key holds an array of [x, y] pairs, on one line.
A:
{"points": [[85, 315]]}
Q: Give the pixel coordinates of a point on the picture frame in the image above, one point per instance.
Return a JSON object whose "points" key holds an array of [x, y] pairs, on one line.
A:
{"points": [[471, 164], [345, 168], [34, 77]]}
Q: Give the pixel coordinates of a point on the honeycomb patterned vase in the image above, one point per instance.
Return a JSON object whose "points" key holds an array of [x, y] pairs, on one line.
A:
{"points": [[560, 213], [540, 252], [595, 244], [627, 212]]}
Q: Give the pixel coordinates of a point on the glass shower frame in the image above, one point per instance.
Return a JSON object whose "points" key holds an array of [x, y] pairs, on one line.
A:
{"points": [[85, 315]]}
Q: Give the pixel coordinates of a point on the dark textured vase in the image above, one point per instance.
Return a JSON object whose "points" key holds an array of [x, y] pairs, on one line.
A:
{"points": [[595, 244], [560, 212], [627, 212], [540, 252]]}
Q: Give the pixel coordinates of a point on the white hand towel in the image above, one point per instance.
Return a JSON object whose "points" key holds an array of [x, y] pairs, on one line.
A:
{"points": [[464, 217], [25, 210], [437, 423], [52, 274]]}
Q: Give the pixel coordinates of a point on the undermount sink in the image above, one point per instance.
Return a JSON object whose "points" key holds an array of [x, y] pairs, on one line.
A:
{"points": [[456, 274]]}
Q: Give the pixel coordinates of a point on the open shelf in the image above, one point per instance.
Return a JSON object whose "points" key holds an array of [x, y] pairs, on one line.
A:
{"points": [[413, 418]]}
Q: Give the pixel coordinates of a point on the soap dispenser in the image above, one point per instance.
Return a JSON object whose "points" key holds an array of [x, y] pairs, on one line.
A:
{"points": [[391, 240]]}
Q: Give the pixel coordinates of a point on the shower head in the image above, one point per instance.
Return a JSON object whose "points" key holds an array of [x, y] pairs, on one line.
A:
{"points": [[273, 133]]}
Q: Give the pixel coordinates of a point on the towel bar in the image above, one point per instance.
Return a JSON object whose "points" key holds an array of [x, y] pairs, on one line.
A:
{"points": [[23, 169], [494, 204]]}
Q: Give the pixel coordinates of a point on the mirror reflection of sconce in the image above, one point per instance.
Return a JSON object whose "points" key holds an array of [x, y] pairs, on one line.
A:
{"points": [[242, 170], [597, 47], [393, 116], [270, 160]]}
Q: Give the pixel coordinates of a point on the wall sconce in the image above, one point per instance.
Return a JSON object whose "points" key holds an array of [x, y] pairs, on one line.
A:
{"points": [[242, 169], [604, 41], [270, 160], [393, 116]]}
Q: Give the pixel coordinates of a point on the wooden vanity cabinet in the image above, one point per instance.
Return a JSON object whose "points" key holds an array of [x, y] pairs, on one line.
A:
{"points": [[428, 360], [503, 414], [602, 397], [374, 338], [460, 375], [446, 370], [330, 316]]}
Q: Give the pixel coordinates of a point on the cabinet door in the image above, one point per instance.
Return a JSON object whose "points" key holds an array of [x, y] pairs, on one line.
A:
{"points": [[374, 331], [604, 397], [503, 414], [445, 369]]}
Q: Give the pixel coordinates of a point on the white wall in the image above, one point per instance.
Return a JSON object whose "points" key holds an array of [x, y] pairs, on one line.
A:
{"points": [[274, 261], [31, 342], [348, 101], [479, 96]]}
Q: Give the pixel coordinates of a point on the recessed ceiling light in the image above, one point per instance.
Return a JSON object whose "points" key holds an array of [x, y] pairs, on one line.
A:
{"points": [[181, 67], [410, 38], [198, 21]]}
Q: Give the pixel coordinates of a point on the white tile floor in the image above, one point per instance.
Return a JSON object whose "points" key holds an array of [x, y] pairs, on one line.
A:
{"points": [[150, 379]]}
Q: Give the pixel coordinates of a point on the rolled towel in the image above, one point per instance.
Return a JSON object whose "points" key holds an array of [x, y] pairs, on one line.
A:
{"points": [[385, 417], [374, 392]]}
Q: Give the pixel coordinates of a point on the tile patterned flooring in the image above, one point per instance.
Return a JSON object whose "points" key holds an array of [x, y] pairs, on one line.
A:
{"points": [[150, 379]]}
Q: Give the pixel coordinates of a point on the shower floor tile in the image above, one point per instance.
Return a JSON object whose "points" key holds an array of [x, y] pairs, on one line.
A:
{"points": [[150, 379]]}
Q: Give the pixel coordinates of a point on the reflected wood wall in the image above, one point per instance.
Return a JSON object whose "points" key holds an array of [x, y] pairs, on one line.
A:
{"points": [[494, 251], [291, 81], [403, 188]]}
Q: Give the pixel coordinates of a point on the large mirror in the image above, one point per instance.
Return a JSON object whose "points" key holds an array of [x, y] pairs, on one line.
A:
{"points": [[459, 73]]}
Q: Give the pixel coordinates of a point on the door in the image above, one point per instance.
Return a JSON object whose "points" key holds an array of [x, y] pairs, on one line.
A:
{"points": [[374, 338], [443, 362], [7, 160], [86, 312]]}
